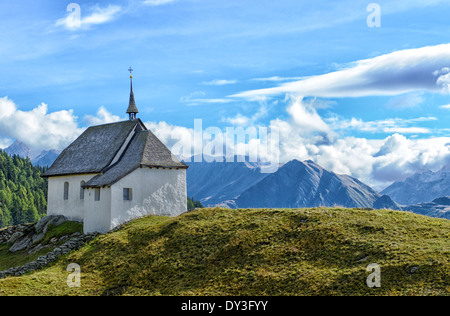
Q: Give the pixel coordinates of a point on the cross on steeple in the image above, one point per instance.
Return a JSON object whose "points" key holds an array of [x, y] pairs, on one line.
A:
{"points": [[131, 70], [132, 108]]}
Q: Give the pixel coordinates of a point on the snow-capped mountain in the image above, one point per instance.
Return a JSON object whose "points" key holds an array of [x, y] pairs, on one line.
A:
{"points": [[18, 148], [45, 158], [421, 187]]}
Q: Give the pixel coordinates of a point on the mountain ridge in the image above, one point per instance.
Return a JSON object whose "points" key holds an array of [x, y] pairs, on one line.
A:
{"points": [[294, 184], [421, 187], [44, 159]]}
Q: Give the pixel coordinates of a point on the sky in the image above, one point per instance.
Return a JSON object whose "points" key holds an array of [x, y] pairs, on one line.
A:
{"points": [[360, 87]]}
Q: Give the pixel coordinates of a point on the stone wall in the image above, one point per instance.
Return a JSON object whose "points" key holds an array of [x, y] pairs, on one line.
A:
{"points": [[28, 237]]}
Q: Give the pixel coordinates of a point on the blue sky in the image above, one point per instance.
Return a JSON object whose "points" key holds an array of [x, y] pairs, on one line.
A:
{"points": [[315, 69]]}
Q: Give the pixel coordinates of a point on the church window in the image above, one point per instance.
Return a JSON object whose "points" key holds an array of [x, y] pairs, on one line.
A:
{"points": [[66, 191], [97, 194], [82, 190], [127, 194]]}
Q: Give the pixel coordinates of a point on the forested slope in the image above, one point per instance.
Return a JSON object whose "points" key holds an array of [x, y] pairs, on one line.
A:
{"points": [[22, 191]]}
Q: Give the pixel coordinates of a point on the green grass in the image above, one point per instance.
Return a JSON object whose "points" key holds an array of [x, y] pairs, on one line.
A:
{"points": [[322, 251], [66, 228]]}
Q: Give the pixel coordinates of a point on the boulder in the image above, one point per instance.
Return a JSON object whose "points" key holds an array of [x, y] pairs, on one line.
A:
{"points": [[44, 223], [21, 244], [41, 224], [15, 236]]}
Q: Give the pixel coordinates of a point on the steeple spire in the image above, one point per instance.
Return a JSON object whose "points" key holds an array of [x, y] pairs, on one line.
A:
{"points": [[132, 109]]}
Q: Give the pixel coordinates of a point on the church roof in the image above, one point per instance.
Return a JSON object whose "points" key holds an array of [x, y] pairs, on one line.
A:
{"points": [[144, 150], [112, 151]]}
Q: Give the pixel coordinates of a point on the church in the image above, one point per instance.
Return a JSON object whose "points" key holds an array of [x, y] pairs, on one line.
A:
{"points": [[114, 173]]}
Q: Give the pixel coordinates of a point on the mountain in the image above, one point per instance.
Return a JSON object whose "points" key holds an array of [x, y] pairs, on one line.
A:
{"points": [[306, 184], [439, 207], [421, 187], [18, 148], [215, 182], [295, 184], [46, 158]]}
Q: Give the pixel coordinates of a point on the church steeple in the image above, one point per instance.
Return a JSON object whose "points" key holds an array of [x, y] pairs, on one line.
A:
{"points": [[132, 108]]}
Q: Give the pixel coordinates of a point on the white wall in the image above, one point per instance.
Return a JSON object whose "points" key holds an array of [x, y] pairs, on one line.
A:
{"points": [[97, 215], [73, 208], [155, 192]]}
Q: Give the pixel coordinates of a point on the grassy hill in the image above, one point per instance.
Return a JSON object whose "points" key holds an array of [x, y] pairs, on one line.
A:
{"points": [[322, 251]]}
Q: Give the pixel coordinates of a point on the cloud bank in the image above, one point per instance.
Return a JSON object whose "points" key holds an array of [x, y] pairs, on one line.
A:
{"points": [[400, 72], [303, 135]]}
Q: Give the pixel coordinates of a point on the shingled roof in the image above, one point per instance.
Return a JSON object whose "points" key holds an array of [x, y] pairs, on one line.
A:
{"points": [[145, 150], [113, 151]]}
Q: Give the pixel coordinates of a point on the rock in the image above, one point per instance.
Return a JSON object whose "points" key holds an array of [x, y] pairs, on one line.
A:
{"points": [[21, 244], [36, 249], [28, 234], [363, 259], [40, 225], [44, 223], [38, 237], [15, 236]]}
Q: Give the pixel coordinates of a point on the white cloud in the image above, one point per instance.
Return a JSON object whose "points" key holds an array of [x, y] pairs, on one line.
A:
{"points": [[193, 99], [239, 119], [97, 16], [103, 117], [37, 128], [155, 3], [400, 72], [392, 125], [277, 79], [219, 82], [43, 130], [409, 100], [242, 120]]}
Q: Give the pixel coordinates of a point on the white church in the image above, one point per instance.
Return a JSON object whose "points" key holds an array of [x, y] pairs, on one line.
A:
{"points": [[114, 173]]}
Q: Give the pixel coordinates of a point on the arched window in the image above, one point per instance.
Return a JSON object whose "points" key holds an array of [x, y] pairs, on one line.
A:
{"points": [[97, 195], [66, 191], [82, 190]]}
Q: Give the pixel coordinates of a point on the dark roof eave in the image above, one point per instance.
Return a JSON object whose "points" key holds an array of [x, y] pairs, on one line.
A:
{"points": [[70, 174], [164, 166]]}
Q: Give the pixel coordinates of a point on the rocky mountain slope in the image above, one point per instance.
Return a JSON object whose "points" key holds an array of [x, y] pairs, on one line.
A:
{"points": [[439, 207], [295, 184], [421, 187]]}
